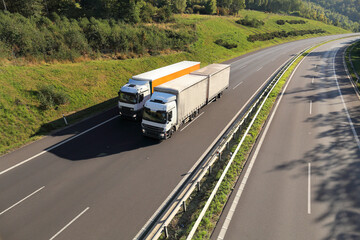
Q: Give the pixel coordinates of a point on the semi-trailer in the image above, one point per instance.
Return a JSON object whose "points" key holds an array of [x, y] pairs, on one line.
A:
{"points": [[134, 94], [178, 101]]}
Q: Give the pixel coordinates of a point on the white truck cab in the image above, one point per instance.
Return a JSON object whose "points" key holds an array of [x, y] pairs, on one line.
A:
{"points": [[132, 97], [159, 116]]}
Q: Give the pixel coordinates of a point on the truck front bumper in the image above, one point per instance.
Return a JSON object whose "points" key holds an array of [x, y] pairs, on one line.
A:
{"points": [[153, 132], [129, 113]]}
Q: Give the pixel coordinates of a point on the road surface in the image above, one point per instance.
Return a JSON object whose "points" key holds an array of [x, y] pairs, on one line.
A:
{"points": [[305, 181], [107, 182]]}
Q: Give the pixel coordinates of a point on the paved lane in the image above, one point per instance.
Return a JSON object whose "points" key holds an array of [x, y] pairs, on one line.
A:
{"points": [[305, 182], [107, 183]]}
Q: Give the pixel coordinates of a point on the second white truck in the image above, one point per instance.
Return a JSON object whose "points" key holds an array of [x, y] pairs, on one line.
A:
{"points": [[175, 102]]}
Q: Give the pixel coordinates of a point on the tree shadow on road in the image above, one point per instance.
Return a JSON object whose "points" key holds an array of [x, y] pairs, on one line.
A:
{"points": [[335, 158]]}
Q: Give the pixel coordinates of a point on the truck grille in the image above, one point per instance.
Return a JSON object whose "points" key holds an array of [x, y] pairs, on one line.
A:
{"points": [[126, 111], [152, 131]]}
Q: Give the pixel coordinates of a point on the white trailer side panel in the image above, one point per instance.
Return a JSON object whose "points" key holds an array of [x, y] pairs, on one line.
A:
{"points": [[219, 75], [191, 92], [165, 71]]}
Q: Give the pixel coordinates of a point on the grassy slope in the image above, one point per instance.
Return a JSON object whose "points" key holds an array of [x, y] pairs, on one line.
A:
{"points": [[94, 82]]}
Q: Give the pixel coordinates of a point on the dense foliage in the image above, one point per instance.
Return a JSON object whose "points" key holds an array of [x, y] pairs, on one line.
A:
{"points": [[68, 29], [66, 39], [349, 8]]}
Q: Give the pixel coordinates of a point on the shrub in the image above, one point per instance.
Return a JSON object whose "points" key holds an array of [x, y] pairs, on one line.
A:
{"points": [[226, 44], [250, 22], [282, 34], [50, 97], [280, 22], [296, 21]]}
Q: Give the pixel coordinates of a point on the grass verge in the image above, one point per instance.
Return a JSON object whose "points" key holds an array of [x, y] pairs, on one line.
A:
{"points": [[354, 51], [182, 224]]}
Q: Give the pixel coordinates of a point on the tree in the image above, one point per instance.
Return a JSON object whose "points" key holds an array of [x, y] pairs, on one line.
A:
{"points": [[210, 6], [179, 5], [236, 6], [26, 8]]}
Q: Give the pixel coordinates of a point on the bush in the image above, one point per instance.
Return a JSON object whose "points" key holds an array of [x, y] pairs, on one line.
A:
{"points": [[282, 22], [50, 97], [282, 34], [296, 21], [226, 44], [250, 22]]}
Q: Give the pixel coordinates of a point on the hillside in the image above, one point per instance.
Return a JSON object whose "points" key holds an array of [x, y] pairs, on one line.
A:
{"points": [[34, 97]]}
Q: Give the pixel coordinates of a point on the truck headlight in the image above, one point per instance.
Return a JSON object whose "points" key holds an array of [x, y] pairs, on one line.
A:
{"points": [[143, 130], [162, 135]]}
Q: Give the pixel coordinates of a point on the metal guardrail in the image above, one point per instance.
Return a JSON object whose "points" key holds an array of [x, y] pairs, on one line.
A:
{"points": [[257, 106], [156, 226]]}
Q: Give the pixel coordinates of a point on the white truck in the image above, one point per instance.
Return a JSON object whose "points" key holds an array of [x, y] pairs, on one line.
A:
{"points": [[134, 94], [178, 101]]}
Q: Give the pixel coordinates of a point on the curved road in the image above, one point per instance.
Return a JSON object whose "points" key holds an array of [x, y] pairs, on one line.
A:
{"points": [[107, 182], [306, 183]]}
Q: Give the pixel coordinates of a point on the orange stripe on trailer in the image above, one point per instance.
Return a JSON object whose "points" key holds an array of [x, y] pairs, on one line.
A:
{"points": [[172, 76]]}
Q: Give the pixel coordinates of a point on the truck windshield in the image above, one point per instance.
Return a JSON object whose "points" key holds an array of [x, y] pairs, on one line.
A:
{"points": [[154, 116], [127, 97]]}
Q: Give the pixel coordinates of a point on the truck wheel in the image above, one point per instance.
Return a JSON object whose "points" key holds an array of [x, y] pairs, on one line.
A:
{"points": [[171, 132]]}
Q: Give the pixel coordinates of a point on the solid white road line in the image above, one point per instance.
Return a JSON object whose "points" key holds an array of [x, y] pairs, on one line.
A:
{"points": [[230, 214], [310, 107], [309, 188], [237, 85], [22, 200], [312, 81], [192, 121], [345, 108], [57, 145], [67, 225]]}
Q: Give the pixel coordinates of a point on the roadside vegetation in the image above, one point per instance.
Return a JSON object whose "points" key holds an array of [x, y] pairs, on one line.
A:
{"points": [[27, 112], [354, 52], [182, 224]]}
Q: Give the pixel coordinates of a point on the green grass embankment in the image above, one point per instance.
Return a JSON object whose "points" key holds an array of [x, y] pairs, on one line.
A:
{"points": [[88, 84]]}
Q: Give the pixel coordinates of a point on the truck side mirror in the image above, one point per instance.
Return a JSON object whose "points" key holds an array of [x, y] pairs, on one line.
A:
{"points": [[170, 116], [141, 98]]}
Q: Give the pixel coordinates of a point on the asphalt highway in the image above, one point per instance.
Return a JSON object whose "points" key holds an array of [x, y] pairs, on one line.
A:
{"points": [[305, 178], [108, 180]]}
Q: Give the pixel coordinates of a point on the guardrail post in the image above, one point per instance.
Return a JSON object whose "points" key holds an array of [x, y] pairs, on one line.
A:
{"points": [[198, 186], [184, 206], [166, 232], [66, 123], [228, 145], [210, 170]]}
